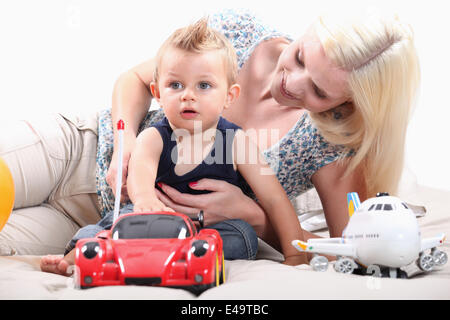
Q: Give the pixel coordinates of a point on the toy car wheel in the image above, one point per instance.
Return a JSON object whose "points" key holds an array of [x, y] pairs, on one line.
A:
{"points": [[222, 272], [440, 257], [345, 265], [426, 262], [76, 278], [319, 263], [217, 273]]}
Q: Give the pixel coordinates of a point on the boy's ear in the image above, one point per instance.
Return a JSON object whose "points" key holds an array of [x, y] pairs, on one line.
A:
{"points": [[154, 90], [233, 94]]}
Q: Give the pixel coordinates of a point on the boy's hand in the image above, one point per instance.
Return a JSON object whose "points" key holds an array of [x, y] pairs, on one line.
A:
{"points": [[151, 206], [296, 260]]}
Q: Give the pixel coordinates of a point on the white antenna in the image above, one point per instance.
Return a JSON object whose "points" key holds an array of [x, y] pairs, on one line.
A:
{"points": [[120, 128]]}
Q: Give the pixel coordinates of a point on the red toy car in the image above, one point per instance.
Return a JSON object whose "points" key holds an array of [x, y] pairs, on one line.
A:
{"points": [[157, 249]]}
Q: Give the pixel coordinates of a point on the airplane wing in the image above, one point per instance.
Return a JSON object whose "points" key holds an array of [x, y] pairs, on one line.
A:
{"points": [[429, 243], [325, 240], [335, 247]]}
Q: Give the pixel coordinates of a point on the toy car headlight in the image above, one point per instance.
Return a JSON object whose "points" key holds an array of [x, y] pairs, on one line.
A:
{"points": [[199, 248], [90, 249]]}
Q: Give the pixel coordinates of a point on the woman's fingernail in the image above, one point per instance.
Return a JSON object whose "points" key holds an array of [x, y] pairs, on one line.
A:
{"points": [[160, 184], [193, 184]]}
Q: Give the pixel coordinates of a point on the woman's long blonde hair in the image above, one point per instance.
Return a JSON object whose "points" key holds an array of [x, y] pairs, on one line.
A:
{"points": [[384, 77]]}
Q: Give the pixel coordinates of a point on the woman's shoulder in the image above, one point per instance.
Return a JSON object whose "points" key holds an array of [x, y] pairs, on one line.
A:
{"points": [[244, 30], [299, 154]]}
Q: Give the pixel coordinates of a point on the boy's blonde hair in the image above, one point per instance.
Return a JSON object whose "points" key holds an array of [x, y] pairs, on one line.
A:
{"points": [[199, 37], [384, 77]]}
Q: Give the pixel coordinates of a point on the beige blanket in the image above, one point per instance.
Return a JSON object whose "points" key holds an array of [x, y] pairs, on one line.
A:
{"points": [[264, 278]]}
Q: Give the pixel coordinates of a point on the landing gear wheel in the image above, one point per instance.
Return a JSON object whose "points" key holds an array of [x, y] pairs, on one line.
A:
{"points": [[319, 263], [426, 262], [345, 265], [440, 257]]}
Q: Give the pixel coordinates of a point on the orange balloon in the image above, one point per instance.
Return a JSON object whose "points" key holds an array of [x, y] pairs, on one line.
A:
{"points": [[6, 193]]}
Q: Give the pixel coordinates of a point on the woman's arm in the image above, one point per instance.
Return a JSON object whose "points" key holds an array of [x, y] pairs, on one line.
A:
{"points": [[332, 187], [130, 102]]}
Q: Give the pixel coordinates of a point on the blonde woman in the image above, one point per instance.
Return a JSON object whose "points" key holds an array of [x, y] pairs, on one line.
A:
{"points": [[330, 111], [340, 98]]}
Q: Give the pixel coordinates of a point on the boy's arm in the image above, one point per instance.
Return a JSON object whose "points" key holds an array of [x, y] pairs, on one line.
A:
{"points": [[271, 196], [142, 170]]}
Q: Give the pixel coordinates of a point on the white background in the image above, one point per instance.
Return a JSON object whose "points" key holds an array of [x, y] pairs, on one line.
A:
{"points": [[58, 55]]}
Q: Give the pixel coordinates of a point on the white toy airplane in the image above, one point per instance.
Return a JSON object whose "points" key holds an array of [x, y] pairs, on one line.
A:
{"points": [[381, 232]]}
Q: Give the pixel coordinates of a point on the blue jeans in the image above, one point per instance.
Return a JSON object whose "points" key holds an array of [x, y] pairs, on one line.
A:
{"points": [[239, 238]]}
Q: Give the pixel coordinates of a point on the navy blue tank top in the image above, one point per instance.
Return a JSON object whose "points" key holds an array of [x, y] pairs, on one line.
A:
{"points": [[218, 164]]}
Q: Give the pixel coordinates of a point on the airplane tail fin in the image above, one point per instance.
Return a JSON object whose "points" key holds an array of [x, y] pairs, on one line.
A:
{"points": [[353, 202], [300, 245]]}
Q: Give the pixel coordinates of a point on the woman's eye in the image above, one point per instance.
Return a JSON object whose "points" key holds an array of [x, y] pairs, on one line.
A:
{"points": [[175, 85], [319, 94], [204, 85], [298, 58]]}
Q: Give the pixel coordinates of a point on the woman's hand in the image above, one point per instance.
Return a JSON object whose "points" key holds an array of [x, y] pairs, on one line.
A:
{"points": [[226, 201], [111, 176]]}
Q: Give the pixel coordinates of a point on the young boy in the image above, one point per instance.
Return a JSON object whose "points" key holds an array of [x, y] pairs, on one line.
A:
{"points": [[194, 81]]}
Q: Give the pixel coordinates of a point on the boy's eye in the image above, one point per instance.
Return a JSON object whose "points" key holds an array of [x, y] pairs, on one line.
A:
{"points": [[204, 85], [175, 85]]}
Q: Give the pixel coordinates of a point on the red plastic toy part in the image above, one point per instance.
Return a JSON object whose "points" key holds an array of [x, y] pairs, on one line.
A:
{"points": [[156, 249], [120, 125]]}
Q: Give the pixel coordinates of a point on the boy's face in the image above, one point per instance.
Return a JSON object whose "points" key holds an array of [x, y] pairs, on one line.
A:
{"points": [[193, 87]]}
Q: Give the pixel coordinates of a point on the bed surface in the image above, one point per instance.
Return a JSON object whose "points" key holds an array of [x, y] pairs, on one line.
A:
{"points": [[263, 278]]}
